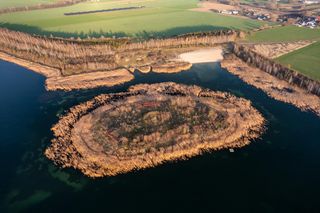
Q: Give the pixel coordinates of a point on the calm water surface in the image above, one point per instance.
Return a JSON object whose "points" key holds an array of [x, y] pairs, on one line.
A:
{"points": [[278, 173]]}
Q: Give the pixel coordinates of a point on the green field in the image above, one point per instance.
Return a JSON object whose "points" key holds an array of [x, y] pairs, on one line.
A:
{"points": [[287, 33], [305, 60], [158, 18], [20, 3]]}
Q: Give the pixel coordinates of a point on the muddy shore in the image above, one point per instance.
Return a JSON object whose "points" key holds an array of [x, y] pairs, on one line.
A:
{"points": [[82, 143]]}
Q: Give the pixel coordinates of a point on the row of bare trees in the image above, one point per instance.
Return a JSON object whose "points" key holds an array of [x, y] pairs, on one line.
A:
{"points": [[73, 56], [277, 70]]}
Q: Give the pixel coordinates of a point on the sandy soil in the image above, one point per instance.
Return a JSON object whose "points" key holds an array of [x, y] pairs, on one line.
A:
{"points": [[184, 58], [203, 55], [208, 6], [276, 50], [272, 86]]}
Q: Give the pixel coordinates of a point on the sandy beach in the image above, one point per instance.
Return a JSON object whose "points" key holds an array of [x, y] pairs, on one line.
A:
{"points": [[203, 55]]}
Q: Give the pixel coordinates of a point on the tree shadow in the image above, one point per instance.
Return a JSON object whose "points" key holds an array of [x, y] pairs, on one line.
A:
{"points": [[94, 34], [38, 31]]}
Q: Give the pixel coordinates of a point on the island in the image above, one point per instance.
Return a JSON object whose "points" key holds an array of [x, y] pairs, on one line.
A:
{"points": [[149, 125]]}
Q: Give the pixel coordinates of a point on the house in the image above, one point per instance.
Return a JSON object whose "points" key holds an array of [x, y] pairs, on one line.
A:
{"points": [[312, 1]]}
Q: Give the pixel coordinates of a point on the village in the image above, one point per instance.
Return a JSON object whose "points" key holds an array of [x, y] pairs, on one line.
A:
{"points": [[302, 13]]}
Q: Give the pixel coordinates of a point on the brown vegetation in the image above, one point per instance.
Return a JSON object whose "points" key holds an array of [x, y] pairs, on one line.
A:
{"points": [[149, 125], [55, 81], [76, 57], [246, 54], [90, 80], [72, 57], [206, 6], [278, 89], [275, 50]]}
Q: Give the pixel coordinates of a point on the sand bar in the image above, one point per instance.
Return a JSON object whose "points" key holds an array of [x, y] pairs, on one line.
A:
{"points": [[202, 56]]}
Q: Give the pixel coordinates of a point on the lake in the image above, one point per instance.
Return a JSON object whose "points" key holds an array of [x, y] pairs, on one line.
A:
{"points": [[278, 173]]}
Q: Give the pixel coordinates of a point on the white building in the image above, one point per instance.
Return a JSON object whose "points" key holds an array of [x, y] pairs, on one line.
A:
{"points": [[312, 1]]}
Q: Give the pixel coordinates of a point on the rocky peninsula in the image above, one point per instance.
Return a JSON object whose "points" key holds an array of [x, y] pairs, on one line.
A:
{"points": [[150, 125]]}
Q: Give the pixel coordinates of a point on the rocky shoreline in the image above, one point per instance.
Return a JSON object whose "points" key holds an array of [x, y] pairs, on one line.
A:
{"points": [[236, 123]]}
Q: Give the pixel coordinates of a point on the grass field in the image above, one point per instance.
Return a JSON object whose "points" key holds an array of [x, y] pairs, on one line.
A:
{"points": [[305, 60], [158, 18], [20, 3], [287, 33]]}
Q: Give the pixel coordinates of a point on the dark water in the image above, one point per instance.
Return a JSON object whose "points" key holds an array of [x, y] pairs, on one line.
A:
{"points": [[278, 173]]}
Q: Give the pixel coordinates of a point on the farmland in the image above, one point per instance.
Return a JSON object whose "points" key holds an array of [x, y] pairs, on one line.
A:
{"points": [[305, 60], [158, 18], [284, 34], [21, 3]]}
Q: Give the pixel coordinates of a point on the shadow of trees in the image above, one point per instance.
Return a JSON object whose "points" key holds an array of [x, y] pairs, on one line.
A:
{"points": [[94, 34]]}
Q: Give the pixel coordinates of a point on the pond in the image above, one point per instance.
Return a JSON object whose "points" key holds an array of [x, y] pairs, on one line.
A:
{"points": [[278, 173]]}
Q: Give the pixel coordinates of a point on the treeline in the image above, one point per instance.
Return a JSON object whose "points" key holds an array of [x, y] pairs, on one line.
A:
{"points": [[66, 56], [275, 69], [41, 6], [74, 56], [198, 39]]}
